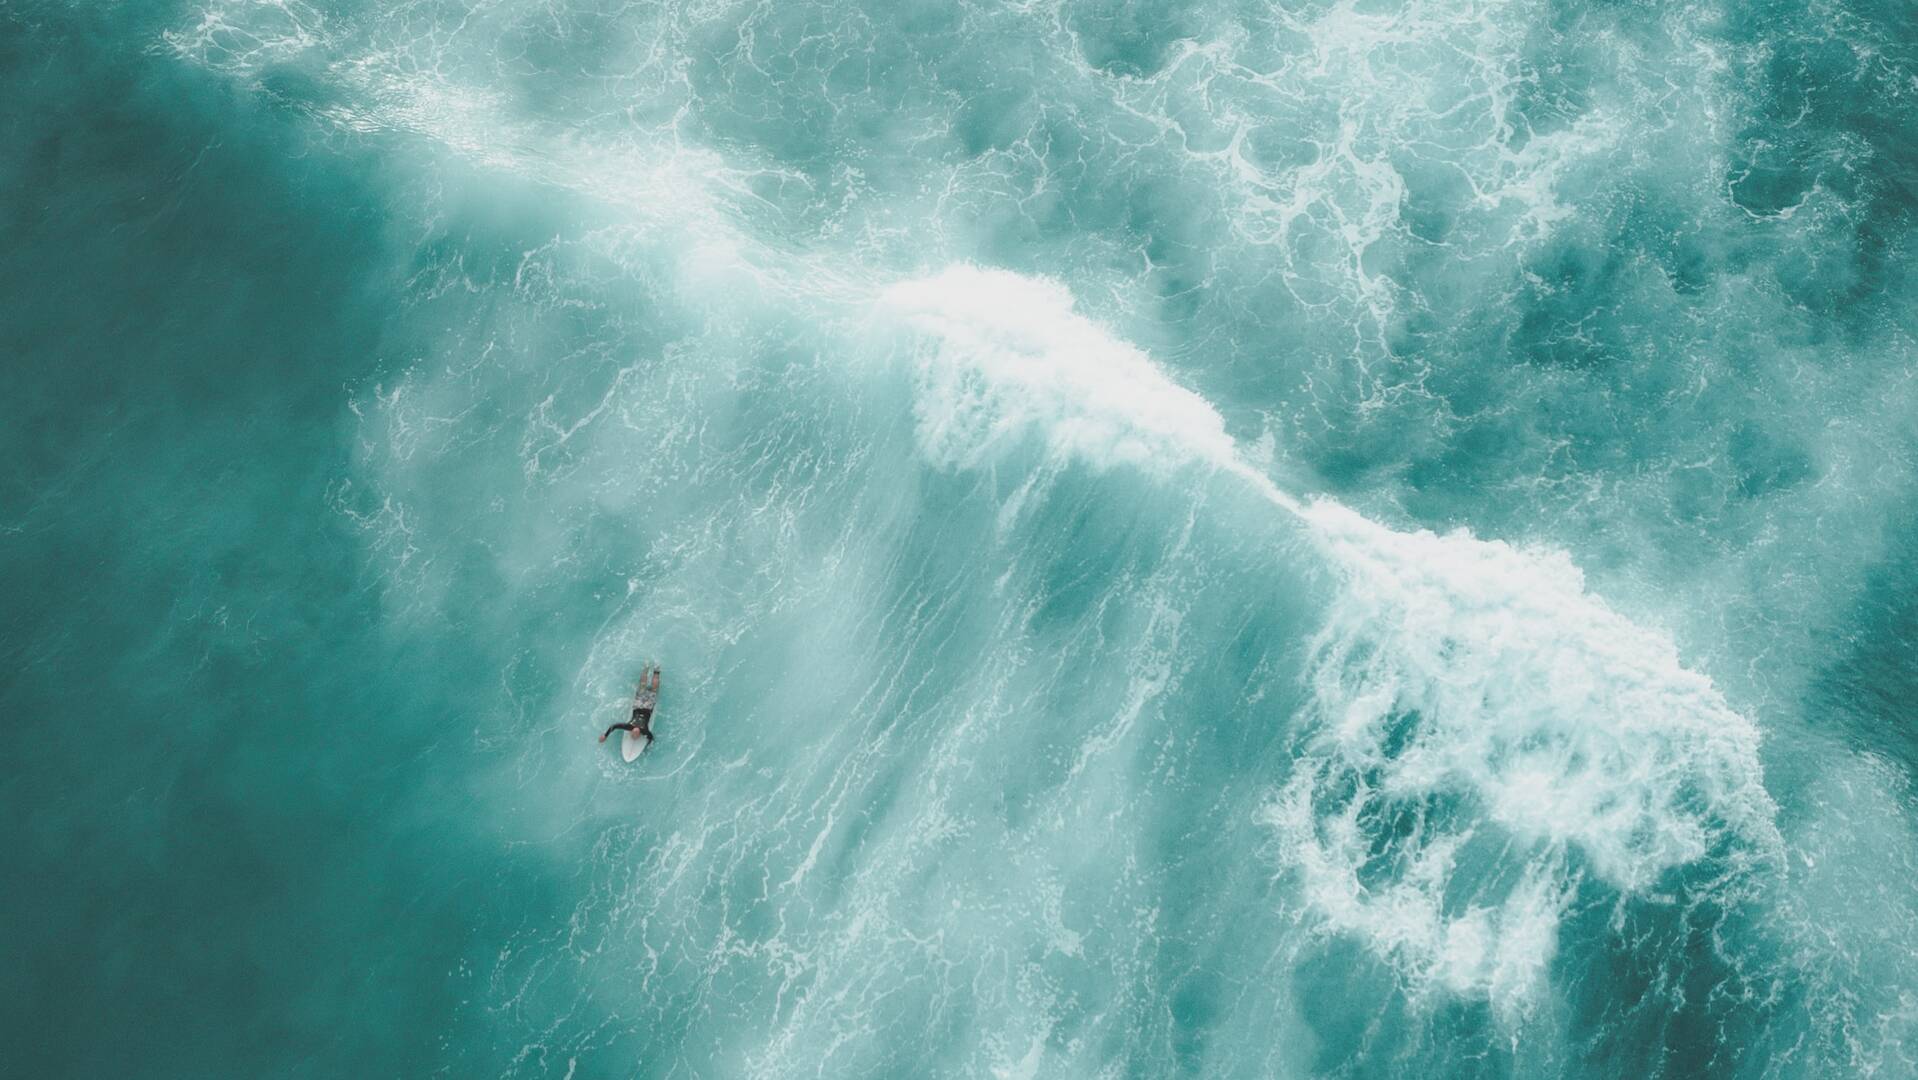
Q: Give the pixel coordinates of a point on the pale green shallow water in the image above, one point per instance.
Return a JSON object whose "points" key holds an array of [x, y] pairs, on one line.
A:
{"points": [[1204, 538]]}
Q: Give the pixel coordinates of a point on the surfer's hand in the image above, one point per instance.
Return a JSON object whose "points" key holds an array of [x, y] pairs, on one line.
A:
{"points": [[602, 738]]}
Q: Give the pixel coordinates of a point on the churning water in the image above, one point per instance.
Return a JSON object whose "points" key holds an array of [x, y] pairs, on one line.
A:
{"points": [[1189, 538]]}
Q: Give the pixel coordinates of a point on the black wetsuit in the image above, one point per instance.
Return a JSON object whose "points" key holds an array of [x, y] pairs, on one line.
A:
{"points": [[641, 724]]}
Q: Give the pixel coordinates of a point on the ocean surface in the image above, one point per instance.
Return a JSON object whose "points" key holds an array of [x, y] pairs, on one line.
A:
{"points": [[1297, 538]]}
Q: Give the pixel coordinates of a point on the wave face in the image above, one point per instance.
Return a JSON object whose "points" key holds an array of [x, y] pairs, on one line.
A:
{"points": [[1481, 733], [1185, 538]]}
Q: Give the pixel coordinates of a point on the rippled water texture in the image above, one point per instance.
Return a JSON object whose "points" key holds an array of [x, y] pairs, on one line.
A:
{"points": [[1363, 539]]}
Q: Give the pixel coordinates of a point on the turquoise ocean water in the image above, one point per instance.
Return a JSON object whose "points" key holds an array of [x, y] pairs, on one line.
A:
{"points": [[1205, 538]]}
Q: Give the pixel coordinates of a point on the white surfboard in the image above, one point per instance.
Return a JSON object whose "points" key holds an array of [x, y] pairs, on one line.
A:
{"points": [[630, 746]]}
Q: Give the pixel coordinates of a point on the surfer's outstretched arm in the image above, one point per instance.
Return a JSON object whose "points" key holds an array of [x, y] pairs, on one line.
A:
{"points": [[619, 727]]}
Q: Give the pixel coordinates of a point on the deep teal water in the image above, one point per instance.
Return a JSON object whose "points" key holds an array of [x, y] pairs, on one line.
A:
{"points": [[1219, 539]]}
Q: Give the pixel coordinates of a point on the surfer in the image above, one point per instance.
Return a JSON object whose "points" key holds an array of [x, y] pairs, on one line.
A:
{"points": [[642, 722]]}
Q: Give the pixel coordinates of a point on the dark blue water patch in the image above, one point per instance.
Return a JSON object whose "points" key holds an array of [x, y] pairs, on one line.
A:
{"points": [[1091, 533], [1638, 988], [1561, 71], [557, 58], [1150, 213], [1829, 110], [300, 88], [1132, 37], [232, 846], [1470, 456], [1570, 304], [1367, 1026], [996, 119], [1687, 984], [1766, 460], [1865, 693], [1435, 198], [862, 71]]}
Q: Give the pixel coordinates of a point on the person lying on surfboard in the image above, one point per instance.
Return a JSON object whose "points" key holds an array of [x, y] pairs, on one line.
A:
{"points": [[643, 702]]}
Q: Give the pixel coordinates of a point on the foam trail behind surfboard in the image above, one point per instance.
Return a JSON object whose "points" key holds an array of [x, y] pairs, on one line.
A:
{"points": [[1472, 703]]}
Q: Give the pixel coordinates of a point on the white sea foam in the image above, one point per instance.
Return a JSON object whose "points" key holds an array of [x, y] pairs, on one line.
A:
{"points": [[1006, 357], [1484, 731]]}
